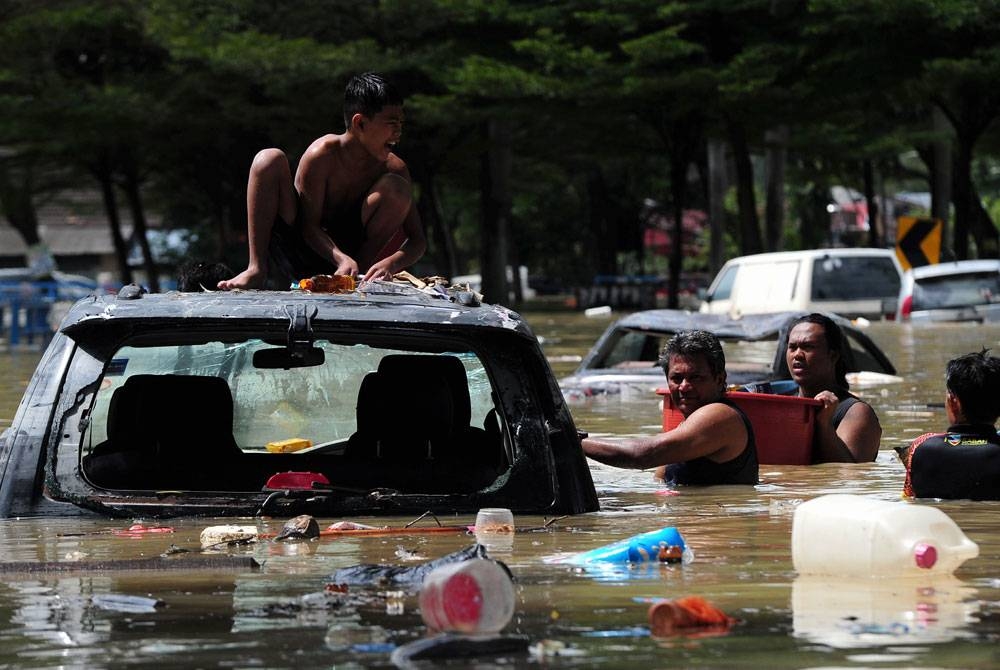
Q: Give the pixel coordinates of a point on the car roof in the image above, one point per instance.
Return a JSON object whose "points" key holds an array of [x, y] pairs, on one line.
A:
{"points": [[774, 256], [955, 267], [748, 326], [98, 318]]}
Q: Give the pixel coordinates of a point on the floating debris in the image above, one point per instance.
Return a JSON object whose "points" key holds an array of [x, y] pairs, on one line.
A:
{"points": [[302, 527], [118, 602], [394, 575], [214, 536], [449, 645]]}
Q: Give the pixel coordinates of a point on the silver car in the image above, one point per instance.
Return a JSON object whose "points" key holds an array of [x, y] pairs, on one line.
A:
{"points": [[956, 291]]}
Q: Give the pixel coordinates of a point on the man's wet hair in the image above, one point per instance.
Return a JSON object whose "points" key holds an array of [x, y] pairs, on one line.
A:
{"points": [[975, 380], [367, 94], [200, 276], [835, 341], [695, 343]]}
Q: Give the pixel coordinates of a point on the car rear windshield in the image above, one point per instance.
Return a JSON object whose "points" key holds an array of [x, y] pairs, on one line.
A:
{"points": [[958, 290], [221, 416], [854, 278], [745, 359]]}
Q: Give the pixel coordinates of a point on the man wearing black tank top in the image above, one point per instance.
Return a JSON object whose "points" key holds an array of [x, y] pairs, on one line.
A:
{"points": [[847, 429], [713, 445]]}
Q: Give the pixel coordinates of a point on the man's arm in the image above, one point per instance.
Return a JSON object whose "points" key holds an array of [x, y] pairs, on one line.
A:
{"points": [[715, 431], [856, 439], [311, 183]]}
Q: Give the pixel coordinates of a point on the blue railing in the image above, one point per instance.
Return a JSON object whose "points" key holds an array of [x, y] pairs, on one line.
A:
{"points": [[25, 308]]}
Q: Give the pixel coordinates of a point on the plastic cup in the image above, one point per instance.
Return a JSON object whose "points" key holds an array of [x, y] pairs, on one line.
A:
{"points": [[494, 520], [495, 528], [474, 596]]}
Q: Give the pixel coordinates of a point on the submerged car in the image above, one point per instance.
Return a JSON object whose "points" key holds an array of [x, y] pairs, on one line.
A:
{"points": [[626, 356], [957, 291], [386, 399]]}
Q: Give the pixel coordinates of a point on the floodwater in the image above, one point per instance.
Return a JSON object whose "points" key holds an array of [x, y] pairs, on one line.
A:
{"points": [[276, 616]]}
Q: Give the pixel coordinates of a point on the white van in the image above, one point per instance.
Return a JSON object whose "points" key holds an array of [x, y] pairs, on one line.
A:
{"points": [[850, 282]]}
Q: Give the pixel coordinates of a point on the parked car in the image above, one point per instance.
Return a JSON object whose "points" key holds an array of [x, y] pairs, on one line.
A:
{"points": [[957, 291], [387, 400], [850, 282], [625, 357]]}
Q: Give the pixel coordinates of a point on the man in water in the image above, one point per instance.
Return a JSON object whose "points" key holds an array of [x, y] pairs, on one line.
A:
{"points": [[964, 462], [350, 208], [714, 444], [847, 429]]}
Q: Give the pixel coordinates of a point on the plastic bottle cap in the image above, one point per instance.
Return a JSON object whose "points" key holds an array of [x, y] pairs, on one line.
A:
{"points": [[925, 555]]}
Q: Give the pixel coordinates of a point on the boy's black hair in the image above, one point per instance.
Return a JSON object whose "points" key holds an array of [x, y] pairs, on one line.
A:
{"points": [[975, 380], [196, 276], [835, 341], [695, 343], [367, 94]]}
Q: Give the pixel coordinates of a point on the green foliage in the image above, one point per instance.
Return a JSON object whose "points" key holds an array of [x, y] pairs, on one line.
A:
{"points": [[599, 94]]}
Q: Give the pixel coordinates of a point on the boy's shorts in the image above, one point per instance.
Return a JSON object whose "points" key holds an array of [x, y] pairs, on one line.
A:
{"points": [[291, 258]]}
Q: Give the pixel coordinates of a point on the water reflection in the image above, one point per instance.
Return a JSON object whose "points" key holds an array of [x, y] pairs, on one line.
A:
{"points": [[874, 613], [280, 615]]}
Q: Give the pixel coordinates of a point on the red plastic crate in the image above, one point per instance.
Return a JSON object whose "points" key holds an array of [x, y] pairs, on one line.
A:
{"points": [[782, 425]]}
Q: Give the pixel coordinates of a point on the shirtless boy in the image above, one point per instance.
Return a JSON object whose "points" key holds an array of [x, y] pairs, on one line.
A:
{"points": [[350, 208]]}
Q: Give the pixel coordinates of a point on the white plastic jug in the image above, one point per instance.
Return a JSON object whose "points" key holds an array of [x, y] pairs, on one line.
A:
{"points": [[474, 596], [851, 535]]}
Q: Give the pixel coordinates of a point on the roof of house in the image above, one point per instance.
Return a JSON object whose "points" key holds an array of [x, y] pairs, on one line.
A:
{"points": [[71, 224]]}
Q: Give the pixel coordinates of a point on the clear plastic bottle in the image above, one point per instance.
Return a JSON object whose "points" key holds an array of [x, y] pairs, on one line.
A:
{"points": [[474, 596], [849, 535]]}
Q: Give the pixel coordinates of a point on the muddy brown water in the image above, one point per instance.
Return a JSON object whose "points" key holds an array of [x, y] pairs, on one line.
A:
{"points": [[273, 616]]}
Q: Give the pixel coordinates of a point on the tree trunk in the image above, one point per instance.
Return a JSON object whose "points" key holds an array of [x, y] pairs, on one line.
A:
{"points": [[983, 229], [962, 195], [430, 215], [774, 208], [605, 233], [940, 165], [750, 242], [103, 173], [18, 206], [495, 194], [678, 189], [868, 176], [716, 207], [139, 228]]}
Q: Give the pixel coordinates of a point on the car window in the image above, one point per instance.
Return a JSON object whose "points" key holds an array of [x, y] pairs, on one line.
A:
{"points": [[641, 349], [854, 278], [633, 349], [316, 403], [724, 287], [765, 287], [960, 290], [863, 358]]}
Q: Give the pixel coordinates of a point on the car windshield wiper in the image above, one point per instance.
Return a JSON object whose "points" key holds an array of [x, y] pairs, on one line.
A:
{"points": [[320, 494]]}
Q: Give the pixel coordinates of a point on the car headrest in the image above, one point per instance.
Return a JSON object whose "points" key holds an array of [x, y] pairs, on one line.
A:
{"points": [[442, 373], [170, 405]]}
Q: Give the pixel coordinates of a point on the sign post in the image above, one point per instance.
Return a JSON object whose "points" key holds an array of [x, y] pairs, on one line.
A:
{"points": [[918, 241]]}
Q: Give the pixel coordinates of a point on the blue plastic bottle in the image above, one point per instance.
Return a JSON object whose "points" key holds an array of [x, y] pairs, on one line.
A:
{"points": [[642, 548]]}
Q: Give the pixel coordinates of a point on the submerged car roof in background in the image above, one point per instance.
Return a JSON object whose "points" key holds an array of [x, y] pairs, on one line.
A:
{"points": [[747, 327], [638, 368]]}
